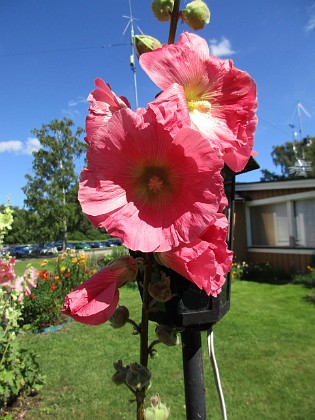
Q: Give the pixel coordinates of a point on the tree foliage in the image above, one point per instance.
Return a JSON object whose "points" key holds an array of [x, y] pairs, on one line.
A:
{"points": [[51, 189], [287, 156]]}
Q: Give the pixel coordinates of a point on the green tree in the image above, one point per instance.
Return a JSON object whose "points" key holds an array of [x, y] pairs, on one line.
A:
{"points": [[292, 154], [51, 189]]}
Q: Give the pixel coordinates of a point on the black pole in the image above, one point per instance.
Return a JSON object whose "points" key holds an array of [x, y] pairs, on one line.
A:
{"points": [[193, 375]]}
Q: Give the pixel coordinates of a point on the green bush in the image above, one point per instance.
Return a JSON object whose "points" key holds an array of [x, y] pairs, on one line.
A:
{"points": [[265, 273], [307, 279], [238, 269], [43, 307], [19, 371]]}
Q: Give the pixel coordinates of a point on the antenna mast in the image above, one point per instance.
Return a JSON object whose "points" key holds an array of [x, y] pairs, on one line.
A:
{"points": [[301, 166], [132, 56]]}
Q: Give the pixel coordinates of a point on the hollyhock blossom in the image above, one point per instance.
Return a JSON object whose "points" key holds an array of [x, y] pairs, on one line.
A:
{"points": [[7, 270], [103, 104], [147, 187], [221, 99], [23, 284], [206, 260], [95, 300]]}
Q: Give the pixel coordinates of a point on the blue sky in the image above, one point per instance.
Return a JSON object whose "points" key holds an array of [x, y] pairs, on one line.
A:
{"points": [[52, 51]]}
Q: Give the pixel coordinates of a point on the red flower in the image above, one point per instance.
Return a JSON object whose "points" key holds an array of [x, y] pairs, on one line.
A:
{"points": [[44, 274]]}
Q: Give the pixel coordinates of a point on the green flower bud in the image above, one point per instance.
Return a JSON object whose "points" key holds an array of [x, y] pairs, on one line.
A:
{"points": [[196, 14], [157, 411], [162, 9], [138, 376], [146, 43], [119, 317], [167, 335]]}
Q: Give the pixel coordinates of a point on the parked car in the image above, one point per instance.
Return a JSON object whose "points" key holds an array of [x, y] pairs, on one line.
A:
{"points": [[59, 245], [114, 242], [96, 244], [81, 245], [20, 251], [48, 250]]}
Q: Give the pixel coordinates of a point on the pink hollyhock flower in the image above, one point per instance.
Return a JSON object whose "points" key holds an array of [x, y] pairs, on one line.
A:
{"points": [[7, 274], [149, 188], [95, 300], [206, 260], [221, 99], [103, 104], [23, 284]]}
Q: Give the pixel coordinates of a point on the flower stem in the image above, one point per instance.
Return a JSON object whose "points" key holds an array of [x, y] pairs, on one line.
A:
{"points": [[144, 354], [174, 21], [136, 327]]}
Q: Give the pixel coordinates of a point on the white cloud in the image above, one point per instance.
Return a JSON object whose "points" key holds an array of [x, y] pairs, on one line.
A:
{"points": [[17, 147], [72, 110], [222, 48], [311, 21], [32, 145], [76, 102], [11, 146]]}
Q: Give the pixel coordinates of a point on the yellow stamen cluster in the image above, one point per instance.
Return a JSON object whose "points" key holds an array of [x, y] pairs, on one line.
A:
{"points": [[201, 106]]}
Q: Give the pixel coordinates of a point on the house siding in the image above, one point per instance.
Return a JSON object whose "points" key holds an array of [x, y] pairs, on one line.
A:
{"points": [[290, 260]]}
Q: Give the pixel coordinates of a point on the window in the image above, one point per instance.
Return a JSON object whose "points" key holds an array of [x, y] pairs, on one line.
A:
{"points": [[288, 223], [270, 225], [305, 223]]}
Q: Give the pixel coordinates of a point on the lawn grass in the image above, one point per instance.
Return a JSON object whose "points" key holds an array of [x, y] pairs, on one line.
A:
{"points": [[264, 348], [21, 265]]}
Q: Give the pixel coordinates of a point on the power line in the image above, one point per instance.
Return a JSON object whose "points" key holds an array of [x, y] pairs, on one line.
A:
{"points": [[60, 50]]}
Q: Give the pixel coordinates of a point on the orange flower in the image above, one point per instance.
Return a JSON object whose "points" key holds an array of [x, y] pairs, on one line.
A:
{"points": [[44, 274], [53, 287], [67, 275]]}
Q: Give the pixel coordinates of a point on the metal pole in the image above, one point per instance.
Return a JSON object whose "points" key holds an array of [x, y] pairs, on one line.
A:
{"points": [[193, 375]]}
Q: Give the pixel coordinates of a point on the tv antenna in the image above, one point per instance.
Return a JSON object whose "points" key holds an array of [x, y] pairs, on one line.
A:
{"points": [[301, 166], [130, 25]]}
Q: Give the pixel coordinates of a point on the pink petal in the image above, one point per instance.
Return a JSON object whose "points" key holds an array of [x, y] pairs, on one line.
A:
{"points": [[204, 261], [226, 96], [109, 193], [104, 103]]}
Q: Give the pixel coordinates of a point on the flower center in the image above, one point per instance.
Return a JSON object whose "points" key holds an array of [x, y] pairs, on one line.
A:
{"points": [[201, 106], [155, 184]]}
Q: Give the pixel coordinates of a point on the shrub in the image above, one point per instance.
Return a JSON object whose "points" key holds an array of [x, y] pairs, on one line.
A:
{"points": [[307, 279], [238, 269], [19, 371], [43, 307], [265, 273]]}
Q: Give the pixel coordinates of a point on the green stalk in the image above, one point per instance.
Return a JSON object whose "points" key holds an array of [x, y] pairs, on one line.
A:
{"points": [[144, 354]]}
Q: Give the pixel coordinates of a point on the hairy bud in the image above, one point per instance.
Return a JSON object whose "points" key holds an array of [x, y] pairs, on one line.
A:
{"points": [[196, 15], [162, 9], [137, 376], [160, 290], [119, 376], [157, 411], [119, 317], [167, 335], [146, 43]]}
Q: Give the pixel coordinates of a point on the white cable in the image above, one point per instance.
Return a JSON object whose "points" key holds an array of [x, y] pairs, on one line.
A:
{"points": [[216, 373]]}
